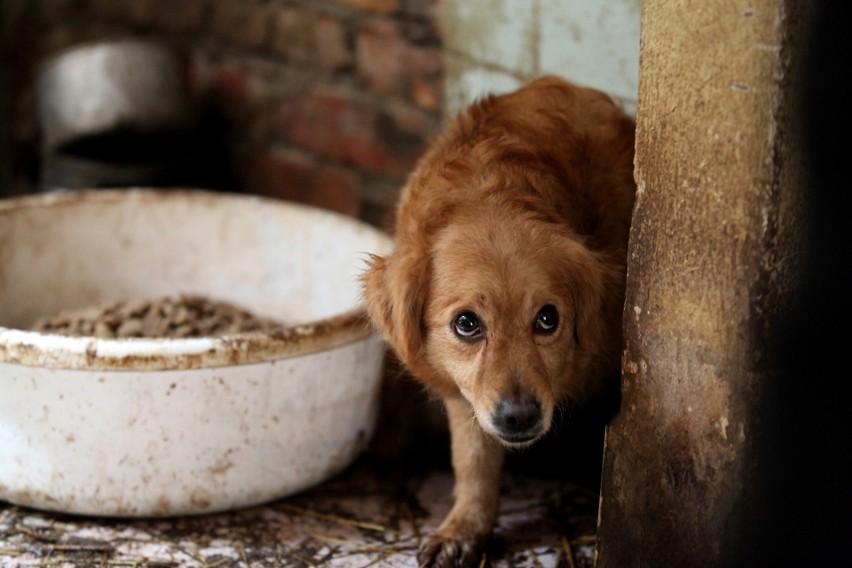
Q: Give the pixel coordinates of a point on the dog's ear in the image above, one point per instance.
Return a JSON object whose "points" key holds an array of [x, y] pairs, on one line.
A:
{"points": [[395, 293], [595, 287]]}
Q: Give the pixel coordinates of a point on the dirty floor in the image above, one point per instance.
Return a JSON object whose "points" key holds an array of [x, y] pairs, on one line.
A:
{"points": [[367, 516]]}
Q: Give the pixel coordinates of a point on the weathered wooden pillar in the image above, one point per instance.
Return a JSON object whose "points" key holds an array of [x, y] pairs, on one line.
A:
{"points": [[710, 263]]}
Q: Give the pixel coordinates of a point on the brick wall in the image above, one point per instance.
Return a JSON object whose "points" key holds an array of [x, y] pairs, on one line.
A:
{"points": [[328, 102]]}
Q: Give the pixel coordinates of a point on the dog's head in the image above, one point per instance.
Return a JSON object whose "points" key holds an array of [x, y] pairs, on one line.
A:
{"points": [[505, 310]]}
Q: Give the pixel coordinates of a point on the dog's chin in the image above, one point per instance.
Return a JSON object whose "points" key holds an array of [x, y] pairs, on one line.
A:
{"points": [[516, 440], [519, 441]]}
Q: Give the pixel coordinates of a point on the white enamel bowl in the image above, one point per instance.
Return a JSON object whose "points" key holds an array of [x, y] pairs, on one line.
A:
{"points": [[154, 427]]}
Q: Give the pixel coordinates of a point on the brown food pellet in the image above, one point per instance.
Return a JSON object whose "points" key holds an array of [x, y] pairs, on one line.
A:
{"points": [[185, 316]]}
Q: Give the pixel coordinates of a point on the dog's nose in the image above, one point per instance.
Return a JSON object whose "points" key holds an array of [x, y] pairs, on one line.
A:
{"points": [[518, 419]]}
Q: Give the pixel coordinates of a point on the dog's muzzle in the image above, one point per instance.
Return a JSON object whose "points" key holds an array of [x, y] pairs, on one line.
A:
{"points": [[518, 420]]}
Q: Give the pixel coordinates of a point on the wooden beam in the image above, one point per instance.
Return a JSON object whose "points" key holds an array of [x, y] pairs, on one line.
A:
{"points": [[712, 260]]}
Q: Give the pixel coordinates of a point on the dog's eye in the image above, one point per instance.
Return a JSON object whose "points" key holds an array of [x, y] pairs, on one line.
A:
{"points": [[467, 326], [547, 320]]}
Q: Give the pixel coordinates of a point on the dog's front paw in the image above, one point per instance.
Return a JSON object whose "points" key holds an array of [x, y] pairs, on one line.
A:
{"points": [[443, 552]]}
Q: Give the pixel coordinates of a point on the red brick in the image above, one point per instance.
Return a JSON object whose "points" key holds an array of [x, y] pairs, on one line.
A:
{"points": [[391, 65], [305, 36], [198, 77], [336, 189], [110, 9], [381, 54], [427, 93], [340, 124], [335, 124], [246, 24], [426, 8], [378, 6], [232, 89], [139, 12], [293, 32], [425, 82], [278, 174], [186, 15], [291, 175], [404, 133], [332, 51]]}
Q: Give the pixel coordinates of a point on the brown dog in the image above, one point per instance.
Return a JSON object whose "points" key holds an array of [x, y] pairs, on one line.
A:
{"points": [[504, 292]]}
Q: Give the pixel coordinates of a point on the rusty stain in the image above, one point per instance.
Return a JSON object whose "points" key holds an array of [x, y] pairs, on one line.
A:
{"points": [[200, 498]]}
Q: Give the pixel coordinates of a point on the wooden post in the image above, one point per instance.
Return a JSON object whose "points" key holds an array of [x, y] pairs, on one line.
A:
{"points": [[711, 261]]}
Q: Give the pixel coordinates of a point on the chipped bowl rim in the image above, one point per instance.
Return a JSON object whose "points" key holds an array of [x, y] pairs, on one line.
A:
{"points": [[85, 353], [53, 351]]}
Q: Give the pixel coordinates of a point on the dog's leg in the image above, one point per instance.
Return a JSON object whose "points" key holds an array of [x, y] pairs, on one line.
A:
{"points": [[477, 461]]}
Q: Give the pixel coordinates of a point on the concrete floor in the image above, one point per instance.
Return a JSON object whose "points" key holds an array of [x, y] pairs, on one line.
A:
{"points": [[368, 516]]}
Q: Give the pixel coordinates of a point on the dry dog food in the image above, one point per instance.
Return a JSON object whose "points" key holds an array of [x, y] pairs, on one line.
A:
{"points": [[185, 316]]}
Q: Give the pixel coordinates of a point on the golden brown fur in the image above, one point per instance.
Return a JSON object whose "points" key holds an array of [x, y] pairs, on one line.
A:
{"points": [[518, 215]]}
